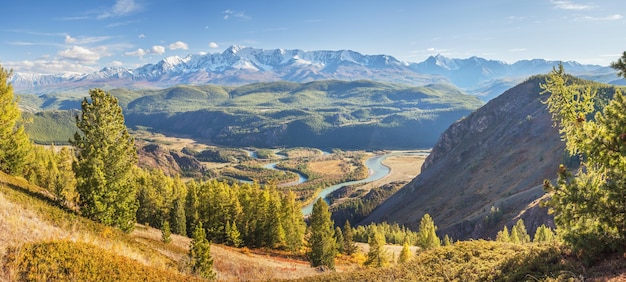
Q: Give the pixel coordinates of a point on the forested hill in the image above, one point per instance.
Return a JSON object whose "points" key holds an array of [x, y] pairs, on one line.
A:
{"points": [[325, 114], [486, 170]]}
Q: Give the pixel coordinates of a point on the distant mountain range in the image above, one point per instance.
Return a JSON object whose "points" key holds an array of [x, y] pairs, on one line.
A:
{"points": [[242, 65]]}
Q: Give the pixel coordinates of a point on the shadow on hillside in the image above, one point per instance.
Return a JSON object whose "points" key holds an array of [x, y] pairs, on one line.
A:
{"points": [[42, 194]]}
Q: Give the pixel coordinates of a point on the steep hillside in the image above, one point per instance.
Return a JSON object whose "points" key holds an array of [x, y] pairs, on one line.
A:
{"points": [[486, 170], [324, 114]]}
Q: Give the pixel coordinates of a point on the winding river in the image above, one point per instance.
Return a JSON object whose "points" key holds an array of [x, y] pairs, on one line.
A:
{"points": [[377, 171], [374, 164]]}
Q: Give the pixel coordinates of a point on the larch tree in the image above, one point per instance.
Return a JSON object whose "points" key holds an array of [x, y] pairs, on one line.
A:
{"points": [[589, 205], [321, 238], [405, 254], [519, 231], [349, 247], [15, 146], [426, 236], [377, 256], [105, 158]]}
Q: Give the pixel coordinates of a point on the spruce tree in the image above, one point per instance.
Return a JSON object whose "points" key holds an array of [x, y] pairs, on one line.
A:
{"points": [[321, 239], [105, 158], [200, 254], [447, 241], [15, 147], [543, 234], [427, 236], [377, 256]]}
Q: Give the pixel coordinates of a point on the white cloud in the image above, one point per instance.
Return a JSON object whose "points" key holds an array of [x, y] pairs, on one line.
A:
{"points": [[179, 45], [515, 50], [80, 54], [213, 45], [82, 40], [69, 39], [139, 52], [607, 18], [121, 8], [235, 14], [157, 50], [142, 36], [49, 66], [116, 64], [567, 5]]}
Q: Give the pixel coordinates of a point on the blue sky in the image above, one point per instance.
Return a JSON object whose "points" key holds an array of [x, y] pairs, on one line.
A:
{"points": [[41, 36]]}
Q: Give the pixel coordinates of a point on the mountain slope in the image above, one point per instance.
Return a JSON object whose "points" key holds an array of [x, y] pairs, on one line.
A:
{"points": [[329, 114], [496, 157], [243, 65]]}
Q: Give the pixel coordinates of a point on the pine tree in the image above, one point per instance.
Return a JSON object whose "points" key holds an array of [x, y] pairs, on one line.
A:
{"points": [[166, 234], [200, 254], [503, 235], [589, 206], [179, 220], [105, 158], [348, 243], [321, 239], [15, 147], [427, 236], [405, 254], [377, 256], [447, 241]]}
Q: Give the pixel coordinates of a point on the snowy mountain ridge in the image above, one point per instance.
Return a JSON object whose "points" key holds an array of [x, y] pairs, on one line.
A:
{"points": [[239, 65]]}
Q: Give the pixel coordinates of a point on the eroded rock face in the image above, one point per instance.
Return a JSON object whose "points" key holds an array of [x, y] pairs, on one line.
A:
{"points": [[485, 171], [171, 162]]}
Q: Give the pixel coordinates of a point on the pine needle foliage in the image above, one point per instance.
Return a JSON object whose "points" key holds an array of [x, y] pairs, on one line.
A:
{"points": [[106, 156], [589, 204]]}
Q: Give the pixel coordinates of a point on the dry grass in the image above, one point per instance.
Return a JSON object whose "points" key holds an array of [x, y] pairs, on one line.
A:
{"points": [[328, 167]]}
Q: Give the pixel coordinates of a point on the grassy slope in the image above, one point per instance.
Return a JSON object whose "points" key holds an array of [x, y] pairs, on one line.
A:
{"points": [[41, 241], [32, 225]]}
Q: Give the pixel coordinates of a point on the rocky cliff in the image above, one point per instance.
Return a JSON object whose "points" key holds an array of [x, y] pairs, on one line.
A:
{"points": [[485, 171]]}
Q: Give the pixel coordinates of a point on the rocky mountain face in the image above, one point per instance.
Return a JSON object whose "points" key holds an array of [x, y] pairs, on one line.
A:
{"points": [[485, 171], [154, 156], [242, 65]]}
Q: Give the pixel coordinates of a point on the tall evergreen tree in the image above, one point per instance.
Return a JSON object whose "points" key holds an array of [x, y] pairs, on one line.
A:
{"points": [[15, 146], [321, 238], [543, 234], [349, 247], [200, 254], [293, 223], [427, 236], [590, 205], [339, 238], [105, 158]]}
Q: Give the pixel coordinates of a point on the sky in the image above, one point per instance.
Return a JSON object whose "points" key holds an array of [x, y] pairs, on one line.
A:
{"points": [[63, 36]]}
